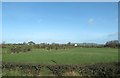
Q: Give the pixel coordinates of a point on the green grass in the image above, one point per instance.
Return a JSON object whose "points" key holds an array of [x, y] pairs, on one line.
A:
{"points": [[70, 56]]}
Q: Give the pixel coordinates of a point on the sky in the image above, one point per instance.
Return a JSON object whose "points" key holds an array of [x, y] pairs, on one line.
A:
{"points": [[59, 22]]}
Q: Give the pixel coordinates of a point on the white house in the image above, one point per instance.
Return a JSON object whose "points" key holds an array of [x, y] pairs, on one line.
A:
{"points": [[75, 45]]}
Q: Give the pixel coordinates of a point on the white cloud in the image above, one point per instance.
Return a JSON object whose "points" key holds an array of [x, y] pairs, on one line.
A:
{"points": [[91, 21], [113, 34]]}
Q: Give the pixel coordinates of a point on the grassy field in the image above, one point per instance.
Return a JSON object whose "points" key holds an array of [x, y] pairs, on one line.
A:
{"points": [[69, 56]]}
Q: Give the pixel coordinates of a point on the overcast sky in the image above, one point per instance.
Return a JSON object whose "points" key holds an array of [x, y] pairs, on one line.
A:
{"points": [[59, 22]]}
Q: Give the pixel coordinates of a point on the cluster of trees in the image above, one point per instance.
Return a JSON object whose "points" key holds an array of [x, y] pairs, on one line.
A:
{"points": [[54, 46], [113, 44]]}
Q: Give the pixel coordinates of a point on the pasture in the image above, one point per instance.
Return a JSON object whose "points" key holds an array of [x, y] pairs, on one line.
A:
{"points": [[69, 56]]}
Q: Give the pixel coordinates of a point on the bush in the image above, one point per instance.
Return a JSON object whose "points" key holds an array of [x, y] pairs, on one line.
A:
{"points": [[107, 70], [17, 49]]}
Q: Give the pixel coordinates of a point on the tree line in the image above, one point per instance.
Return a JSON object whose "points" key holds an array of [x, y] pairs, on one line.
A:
{"points": [[26, 47], [112, 44]]}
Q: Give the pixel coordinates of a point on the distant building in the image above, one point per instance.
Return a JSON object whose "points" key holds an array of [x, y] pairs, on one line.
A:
{"points": [[75, 45]]}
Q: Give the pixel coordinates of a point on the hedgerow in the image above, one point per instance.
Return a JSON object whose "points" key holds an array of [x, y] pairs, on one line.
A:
{"points": [[107, 70]]}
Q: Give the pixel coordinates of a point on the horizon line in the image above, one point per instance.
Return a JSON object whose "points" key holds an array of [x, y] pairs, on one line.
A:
{"points": [[52, 42]]}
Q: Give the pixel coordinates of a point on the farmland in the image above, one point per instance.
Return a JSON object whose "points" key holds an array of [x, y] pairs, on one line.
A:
{"points": [[68, 56]]}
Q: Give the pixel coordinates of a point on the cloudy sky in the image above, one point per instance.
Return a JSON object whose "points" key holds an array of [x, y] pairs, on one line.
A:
{"points": [[59, 22]]}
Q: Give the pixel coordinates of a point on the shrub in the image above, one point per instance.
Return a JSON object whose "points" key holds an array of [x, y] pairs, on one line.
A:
{"points": [[107, 70], [17, 49]]}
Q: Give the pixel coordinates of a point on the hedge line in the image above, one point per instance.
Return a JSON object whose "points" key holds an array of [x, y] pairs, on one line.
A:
{"points": [[107, 70]]}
